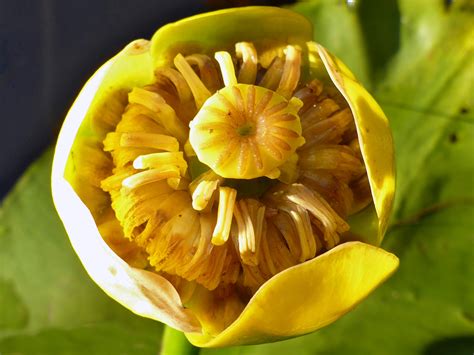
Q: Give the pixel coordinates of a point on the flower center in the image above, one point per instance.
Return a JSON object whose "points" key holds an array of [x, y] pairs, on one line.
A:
{"points": [[246, 131]]}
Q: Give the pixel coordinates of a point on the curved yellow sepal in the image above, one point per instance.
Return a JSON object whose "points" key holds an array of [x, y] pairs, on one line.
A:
{"points": [[143, 292], [374, 134], [308, 296], [220, 30]]}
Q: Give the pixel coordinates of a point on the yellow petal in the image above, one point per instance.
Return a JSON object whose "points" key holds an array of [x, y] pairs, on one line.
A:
{"points": [[375, 140], [143, 292], [308, 296], [220, 30]]}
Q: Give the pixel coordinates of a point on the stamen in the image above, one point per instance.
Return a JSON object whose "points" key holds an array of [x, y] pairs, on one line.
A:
{"points": [[309, 94], [329, 130], [199, 261], [200, 92], [248, 70], [303, 226], [207, 70], [134, 207], [209, 175], [156, 160], [138, 118], [319, 208], [339, 160], [318, 112], [149, 140], [291, 72], [331, 188], [227, 196], [280, 256], [164, 161], [287, 228], [227, 67], [249, 215], [146, 177], [272, 77], [163, 113], [182, 88], [204, 193]]}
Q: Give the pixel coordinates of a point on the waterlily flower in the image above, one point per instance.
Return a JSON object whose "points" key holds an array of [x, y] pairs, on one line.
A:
{"points": [[230, 178]]}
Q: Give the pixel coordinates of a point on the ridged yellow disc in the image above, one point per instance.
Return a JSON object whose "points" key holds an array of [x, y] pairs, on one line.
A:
{"points": [[246, 131]]}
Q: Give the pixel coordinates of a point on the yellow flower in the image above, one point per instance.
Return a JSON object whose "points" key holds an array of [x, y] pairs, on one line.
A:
{"points": [[229, 178]]}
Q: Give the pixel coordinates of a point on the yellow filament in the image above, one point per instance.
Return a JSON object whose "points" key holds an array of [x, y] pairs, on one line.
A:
{"points": [[318, 112], [291, 72], [319, 208], [273, 75], [339, 160], [249, 215], [203, 194], [248, 69], [149, 140], [156, 160], [199, 90], [329, 130], [207, 70], [287, 228], [161, 112], [146, 177], [227, 196], [182, 88], [227, 67], [305, 233]]}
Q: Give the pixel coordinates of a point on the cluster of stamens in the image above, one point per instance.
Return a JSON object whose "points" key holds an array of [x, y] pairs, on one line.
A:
{"points": [[247, 124]]}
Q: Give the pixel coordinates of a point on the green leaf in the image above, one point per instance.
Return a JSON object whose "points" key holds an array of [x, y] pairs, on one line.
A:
{"points": [[427, 94], [337, 27], [48, 303]]}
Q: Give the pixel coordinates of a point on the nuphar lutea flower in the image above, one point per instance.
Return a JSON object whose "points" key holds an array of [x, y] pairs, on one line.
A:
{"points": [[229, 178]]}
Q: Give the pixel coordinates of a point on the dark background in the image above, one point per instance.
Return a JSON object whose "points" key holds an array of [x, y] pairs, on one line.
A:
{"points": [[49, 48]]}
